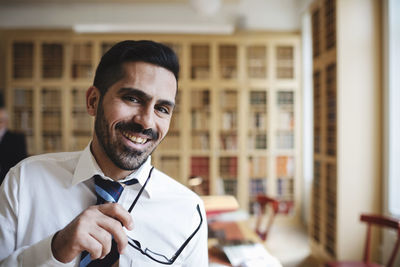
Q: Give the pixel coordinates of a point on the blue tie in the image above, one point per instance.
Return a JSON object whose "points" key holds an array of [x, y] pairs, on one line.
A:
{"points": [[106, 191]]}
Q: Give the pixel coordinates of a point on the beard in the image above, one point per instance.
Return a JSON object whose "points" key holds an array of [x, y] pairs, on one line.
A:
{"points": [[124, 157]]}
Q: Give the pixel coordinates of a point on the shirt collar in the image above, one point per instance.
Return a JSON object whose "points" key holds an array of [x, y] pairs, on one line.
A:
{"points": [[87, 167]]}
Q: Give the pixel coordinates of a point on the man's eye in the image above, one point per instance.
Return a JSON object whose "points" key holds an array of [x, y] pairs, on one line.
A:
{"points": [[131, 98], [163, 110]]}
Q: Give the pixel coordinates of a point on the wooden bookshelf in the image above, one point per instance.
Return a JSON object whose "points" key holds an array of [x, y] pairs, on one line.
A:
{"points": [[237, 116], [346, 161]]}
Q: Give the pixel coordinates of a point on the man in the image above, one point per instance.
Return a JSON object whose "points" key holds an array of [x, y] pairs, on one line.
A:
{"points": [[12, 145], [48, 216]]}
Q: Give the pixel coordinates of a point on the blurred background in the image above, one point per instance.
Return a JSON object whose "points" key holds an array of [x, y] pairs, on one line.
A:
{"points": [[292, 99]]}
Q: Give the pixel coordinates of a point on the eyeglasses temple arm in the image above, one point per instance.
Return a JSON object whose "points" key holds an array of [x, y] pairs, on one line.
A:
{"points": [[190, 237], [140, 192]]}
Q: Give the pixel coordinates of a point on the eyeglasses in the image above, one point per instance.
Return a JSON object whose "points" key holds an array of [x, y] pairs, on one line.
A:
{"points": [[160, 258]]}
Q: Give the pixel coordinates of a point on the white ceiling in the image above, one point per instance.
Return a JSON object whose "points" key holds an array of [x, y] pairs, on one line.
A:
{"points": [[269, 15]]}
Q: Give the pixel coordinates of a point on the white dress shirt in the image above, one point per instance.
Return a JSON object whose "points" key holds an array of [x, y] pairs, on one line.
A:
{"points": [[42, 194]]}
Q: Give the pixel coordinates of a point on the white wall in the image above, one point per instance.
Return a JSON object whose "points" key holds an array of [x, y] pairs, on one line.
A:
{"points": [[308, 118], [359, 121], [270, 15]]}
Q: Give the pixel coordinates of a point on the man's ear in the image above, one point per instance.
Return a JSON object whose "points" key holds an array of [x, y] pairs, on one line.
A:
{"points": [[92, 100]]}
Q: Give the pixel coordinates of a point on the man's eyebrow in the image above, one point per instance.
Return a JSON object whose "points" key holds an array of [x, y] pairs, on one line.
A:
{"points": [[134, 91], [144, 96], [167, 103]]}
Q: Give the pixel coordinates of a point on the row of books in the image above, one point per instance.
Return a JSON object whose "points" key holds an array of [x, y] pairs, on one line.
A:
{"points": [[200, 99], [200, 141], [257, 167], [228, 167], [258, 120], [82, 52], [52, 143], [22, 60], [285, 120], [228, 142], [285, 140], [200, 120], [23, 120], [171, 142], [257, 141], [170, 165], [285, 166], [229, 120]]}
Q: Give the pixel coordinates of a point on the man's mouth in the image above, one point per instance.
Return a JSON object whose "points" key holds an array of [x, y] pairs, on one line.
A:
{"points": [[135, 139]]}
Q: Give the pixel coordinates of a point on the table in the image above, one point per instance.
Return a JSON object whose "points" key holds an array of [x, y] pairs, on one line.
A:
{"points": [[235, 232]]}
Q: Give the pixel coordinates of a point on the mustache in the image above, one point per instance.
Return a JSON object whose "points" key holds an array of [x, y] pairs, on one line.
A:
{"points": [[137, 128]]}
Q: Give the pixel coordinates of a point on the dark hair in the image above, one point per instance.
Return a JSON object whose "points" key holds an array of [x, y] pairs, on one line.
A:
{"points": [[110, 70]]}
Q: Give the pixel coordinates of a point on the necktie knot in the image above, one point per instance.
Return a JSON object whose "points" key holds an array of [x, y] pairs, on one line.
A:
{"points": [[109, 191]]}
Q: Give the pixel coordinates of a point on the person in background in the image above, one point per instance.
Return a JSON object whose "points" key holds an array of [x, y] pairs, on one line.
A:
{"points": [[49, 215], [12, 145]]}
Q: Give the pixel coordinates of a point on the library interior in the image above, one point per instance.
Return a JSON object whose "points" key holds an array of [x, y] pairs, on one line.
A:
{"points": [[265, 129]]}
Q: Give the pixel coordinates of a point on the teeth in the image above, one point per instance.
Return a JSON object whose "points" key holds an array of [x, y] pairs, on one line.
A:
{"points": [[135, 139]]}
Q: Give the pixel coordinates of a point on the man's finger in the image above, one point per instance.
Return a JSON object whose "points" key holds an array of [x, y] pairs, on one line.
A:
{"points": [[117, 212], [93, 247], [104, 238], [114, 227]]}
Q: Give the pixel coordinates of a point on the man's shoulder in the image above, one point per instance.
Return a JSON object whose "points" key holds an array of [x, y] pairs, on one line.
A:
{"points": [[14, 134], [10, 137], [43, 168], [50, 158], [168, 183]]}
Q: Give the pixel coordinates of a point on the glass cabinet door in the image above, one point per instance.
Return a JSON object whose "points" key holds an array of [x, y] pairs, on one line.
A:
{"points": [[285, 177], [81, 67], [170, 165], [228, 172], [200, 119], [81, 122], [51, 120], [200, 168], [228, 65], [22, 58], [258, 120], [23, 115], [171, 141], [257, 169], [285, 62], [52, 60], [257, 62], [285, 120], [228, 119], [200, 68]]}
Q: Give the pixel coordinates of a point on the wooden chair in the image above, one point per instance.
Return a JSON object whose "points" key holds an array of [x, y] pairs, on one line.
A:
{"points": [[371, 220], [277, 206]]}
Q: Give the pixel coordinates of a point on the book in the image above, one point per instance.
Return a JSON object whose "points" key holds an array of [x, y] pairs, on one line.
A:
{"points": [[217, 204]]}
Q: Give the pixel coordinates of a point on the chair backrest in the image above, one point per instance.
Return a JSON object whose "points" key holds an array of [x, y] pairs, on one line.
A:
{"points": [[382, 221], [277, 206]]}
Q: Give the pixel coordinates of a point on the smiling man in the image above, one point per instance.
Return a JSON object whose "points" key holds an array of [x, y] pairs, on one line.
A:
{"points": [[49, 215]]}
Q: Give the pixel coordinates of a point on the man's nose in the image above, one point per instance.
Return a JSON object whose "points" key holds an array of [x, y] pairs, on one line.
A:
{"points": [[145, 118]]}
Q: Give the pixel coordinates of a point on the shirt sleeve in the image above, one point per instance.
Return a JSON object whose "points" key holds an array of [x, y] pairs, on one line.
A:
{"points": [[11, 254], [198, 247]]}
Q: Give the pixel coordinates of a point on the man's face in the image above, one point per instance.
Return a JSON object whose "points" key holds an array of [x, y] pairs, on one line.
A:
{"points": [[133, 116]]}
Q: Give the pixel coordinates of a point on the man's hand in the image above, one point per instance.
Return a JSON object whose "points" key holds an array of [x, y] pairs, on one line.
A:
{"points": [[92, 231]]}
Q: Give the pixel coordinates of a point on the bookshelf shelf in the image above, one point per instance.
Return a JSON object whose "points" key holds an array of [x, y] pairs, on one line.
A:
{"points": [[235, 110]]}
